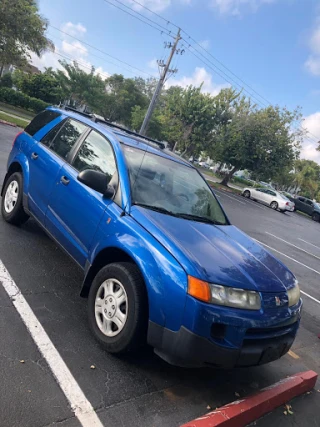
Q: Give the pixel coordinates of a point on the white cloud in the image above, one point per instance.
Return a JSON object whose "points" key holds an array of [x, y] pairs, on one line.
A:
{"points": [[312, 124], [74, 49], [74, 29], [205, 44], [312, 64], [70, 50], [234, 7], [153, 64], [199, 76], [155, 5]]}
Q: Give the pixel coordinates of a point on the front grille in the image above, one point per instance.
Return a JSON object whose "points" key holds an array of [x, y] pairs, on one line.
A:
{"points": [[265, 333]]}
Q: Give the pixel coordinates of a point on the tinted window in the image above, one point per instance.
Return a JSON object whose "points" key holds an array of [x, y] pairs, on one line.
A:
{"points": [[67, 137], [47, 139], [95, 153], [301, 199], [309, 202], [40, 121]]}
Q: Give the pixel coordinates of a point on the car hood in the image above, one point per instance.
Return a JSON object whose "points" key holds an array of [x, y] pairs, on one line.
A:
{"points": [[218, 254]]}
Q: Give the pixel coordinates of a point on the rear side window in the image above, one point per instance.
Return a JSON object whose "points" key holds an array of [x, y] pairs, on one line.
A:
{"points": [[49, 137], [67, 137], [40, 121]]}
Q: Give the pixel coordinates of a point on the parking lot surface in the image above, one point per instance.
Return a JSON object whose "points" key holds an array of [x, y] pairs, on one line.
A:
{"points": [[138, 389]]}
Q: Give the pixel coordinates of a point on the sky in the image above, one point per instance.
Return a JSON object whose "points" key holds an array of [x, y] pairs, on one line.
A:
{"points": [[268, 48]]}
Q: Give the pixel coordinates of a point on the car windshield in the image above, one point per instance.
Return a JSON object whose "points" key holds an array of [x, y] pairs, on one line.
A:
{"points": [[164, 185]]}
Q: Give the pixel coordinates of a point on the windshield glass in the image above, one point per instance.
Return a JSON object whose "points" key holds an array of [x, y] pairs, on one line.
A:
{"points": [[172, 188]]}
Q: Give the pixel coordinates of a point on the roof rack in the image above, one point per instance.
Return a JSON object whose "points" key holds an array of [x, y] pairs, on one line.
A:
{"points": [[159, 144], [130, 132]]}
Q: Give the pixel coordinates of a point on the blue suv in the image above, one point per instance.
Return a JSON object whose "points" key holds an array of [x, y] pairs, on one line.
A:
{"points": [[162, 263]]}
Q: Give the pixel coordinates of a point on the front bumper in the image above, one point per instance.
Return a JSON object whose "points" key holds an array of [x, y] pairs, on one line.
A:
{"points": [[212, 340]]}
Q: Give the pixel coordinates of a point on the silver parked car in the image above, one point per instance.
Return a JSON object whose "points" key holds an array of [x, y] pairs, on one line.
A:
{"points": [[269, 197]]}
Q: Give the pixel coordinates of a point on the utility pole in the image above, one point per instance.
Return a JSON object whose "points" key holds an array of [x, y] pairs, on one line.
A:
{"points": [[160, 84]]}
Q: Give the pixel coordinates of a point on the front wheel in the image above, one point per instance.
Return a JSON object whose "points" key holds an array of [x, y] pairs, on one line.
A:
{"points": [[118, 307], [274, 205], [247, 194], [11, 204], [316, 216]]}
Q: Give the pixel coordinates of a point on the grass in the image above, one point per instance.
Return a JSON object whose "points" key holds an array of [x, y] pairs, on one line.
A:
{"points": [[22, 123], [18, 111], [223, 187]]}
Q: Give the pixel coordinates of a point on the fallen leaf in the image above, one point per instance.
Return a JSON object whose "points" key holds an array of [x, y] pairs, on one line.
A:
{"points": [[208, 407], [21, 361], [92, 367], [29, 391], [237, 394], [285, 413]]}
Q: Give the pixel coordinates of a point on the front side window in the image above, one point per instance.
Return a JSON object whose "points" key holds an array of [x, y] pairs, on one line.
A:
{"points": [[96, 153], [67, 137], [164, 185]]}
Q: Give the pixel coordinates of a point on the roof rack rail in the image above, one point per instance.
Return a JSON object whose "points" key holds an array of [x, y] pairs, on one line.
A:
{"points": [[129, 132], [74, 110], [123, 129]]}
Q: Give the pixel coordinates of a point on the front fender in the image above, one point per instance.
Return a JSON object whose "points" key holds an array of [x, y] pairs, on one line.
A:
{"points": [[165, 279]]}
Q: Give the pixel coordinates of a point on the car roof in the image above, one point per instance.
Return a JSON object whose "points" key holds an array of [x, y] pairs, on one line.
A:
{"points": [[125, 137]]}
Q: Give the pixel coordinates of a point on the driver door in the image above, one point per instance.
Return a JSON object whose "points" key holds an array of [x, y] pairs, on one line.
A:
{"points": [[75, 210]]}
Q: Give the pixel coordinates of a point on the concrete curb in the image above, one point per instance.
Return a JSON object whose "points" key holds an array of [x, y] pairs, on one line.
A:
{"points": [[242, 412], [3, 122]]}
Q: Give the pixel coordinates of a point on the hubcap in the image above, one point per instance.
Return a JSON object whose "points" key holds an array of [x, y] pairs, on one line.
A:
{"points": [[274, 205], [11, 196], [111, 307]]}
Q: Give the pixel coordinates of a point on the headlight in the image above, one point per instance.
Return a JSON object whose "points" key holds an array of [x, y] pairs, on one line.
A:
{"points": [[294, 295], [223, 295]]}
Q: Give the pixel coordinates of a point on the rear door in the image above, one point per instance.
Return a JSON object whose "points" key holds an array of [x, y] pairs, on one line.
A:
{"points": [[261, 195], [309, 206], [75, 210], [46, 158]]}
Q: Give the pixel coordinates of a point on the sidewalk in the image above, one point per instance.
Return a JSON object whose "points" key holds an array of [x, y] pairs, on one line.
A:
{"points": [[14, 116]]}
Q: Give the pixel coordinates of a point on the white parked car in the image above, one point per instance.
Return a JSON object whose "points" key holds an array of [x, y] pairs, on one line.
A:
{"points": [[269, 197]]}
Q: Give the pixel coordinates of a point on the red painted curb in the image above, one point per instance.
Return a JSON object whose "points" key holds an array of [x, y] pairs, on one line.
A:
{"points": [[242, 412]]}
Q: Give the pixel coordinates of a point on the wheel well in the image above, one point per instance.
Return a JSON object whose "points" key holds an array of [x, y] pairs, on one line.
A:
{"points": [[14, 167], [104, 257]]}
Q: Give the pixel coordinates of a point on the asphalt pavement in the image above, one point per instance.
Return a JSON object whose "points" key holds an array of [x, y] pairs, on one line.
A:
{"points": [[138, 389]]}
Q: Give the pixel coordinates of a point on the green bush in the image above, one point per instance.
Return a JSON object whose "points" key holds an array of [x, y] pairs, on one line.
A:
{"points": [[19, 99], [242, 181]]}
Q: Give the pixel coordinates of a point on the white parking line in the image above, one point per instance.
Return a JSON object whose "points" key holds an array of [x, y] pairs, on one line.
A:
{"points": [[298, 262], [79, 404], [308, 243], [291, 244], [227, 195]]}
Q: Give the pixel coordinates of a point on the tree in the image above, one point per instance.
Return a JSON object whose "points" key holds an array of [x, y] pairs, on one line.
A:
{"points": [[258, 140], [6, 80], [79, 87], [307, 177], [155, 128], [189, 117], [120, 97], [43, 86], [22, 30]]}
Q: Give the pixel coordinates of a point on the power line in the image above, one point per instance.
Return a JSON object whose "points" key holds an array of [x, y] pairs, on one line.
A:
{"points": [[96, 56], [99, 50], [191, 38], [217, 72], [80, 63], [139, 19]]}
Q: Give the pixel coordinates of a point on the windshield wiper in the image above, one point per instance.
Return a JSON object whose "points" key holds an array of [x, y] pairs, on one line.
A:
{"points": [[198, 218], [156, 208]]}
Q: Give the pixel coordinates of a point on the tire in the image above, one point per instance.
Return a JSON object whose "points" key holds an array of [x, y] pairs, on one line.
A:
{"points": [[316, 217], [11, 204], [247, 194], [274, 205], [132, 332]]}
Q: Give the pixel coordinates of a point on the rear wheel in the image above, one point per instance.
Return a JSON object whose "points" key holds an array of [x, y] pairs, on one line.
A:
{"points": [[11, 203], [247, 194], [316, 216], [274, 205], [118, 307]]}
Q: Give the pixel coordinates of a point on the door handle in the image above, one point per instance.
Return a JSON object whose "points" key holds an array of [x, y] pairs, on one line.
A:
{"points": [[34, 156], [64, 180]]}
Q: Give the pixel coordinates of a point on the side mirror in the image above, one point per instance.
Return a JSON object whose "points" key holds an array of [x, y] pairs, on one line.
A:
{"points": [[98, 181]]}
